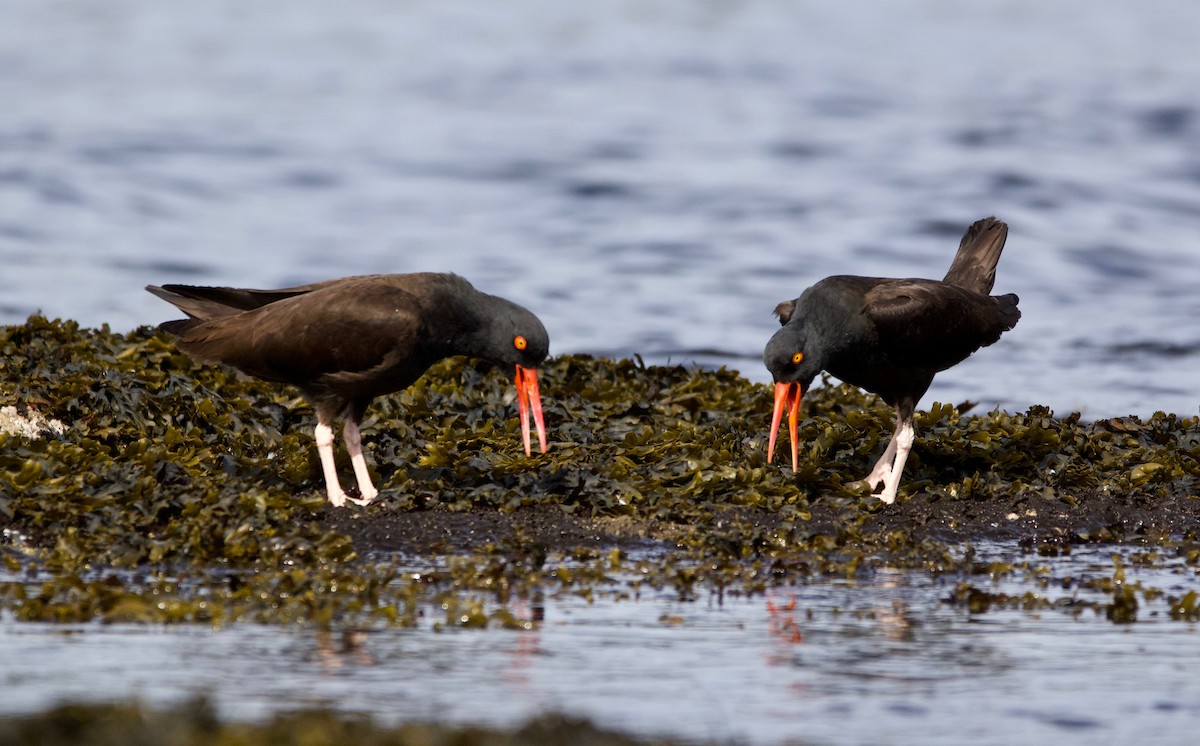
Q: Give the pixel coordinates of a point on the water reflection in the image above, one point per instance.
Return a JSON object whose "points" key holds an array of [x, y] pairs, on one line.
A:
{"points": [[881, 657], [349, 647]]}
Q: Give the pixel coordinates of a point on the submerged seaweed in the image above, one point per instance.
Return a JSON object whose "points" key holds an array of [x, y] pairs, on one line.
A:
{"points": [[196, 723], [181, 493]]}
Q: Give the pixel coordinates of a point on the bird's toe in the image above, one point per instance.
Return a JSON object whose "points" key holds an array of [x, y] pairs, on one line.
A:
{"points": [[367, 493], [873, 480]]}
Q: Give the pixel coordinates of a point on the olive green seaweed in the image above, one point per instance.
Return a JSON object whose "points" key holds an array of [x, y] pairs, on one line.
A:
{"points": [[187, 493], [196, 724]]}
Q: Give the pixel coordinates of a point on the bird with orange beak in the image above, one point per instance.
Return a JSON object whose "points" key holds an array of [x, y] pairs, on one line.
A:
{"points": [[890, 337], [344, 342]]}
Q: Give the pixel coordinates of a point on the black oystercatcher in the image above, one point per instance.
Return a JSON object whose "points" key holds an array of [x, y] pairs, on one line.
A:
{"points": [[344, 342], [890, 337]]}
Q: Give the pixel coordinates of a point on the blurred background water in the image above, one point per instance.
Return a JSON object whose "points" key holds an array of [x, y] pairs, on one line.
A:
{"points": [[649, 176]]}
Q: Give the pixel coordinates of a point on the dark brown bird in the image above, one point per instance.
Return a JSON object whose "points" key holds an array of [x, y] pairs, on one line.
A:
{"points": [[889, 337], [344, 342]]}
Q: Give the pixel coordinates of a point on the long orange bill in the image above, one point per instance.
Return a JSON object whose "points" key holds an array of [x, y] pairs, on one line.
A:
{"points": [[787, 397], [528, 398]]}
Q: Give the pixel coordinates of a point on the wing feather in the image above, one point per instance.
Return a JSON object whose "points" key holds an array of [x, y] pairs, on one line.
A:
{"points": [[348, 328], [935, 324]]}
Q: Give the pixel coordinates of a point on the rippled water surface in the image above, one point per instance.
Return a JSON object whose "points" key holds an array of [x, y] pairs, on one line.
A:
{"points": [[883, 659], [649, 177]]}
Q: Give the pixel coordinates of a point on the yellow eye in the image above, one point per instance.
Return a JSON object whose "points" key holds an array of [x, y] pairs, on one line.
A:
{"points": [[520, 342], [797, 358]]}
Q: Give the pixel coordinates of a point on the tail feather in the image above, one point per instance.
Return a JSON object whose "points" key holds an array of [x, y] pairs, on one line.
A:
{"points": [[196, 307], [206, 303], [179, 327], [974, 266]]}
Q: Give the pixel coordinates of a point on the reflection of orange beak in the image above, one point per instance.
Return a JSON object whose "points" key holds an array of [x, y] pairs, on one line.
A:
{"points": [[529, 398], [787, 396]]}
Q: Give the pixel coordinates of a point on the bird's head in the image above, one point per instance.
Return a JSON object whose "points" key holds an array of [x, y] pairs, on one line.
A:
{"points": [[517, 338], [794, 361]]}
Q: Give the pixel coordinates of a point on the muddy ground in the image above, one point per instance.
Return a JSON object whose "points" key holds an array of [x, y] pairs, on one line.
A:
{"points": [[1026, 521]]}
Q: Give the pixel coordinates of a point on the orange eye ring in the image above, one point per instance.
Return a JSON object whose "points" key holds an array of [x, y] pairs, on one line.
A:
{"points": [[520, 342], [797, 358]]}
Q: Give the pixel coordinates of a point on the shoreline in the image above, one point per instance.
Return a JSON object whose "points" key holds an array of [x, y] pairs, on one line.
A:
{"points": [[169, 467]]}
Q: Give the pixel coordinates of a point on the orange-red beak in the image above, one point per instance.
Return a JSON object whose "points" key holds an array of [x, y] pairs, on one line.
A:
{"points": [[528, 398], [787, 396]]}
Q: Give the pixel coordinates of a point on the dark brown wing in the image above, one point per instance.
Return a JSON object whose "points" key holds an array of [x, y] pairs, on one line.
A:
{"points": [[348, 328], [934, 325]]}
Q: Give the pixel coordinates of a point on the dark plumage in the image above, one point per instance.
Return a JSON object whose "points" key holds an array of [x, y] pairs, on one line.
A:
{"points": [[890, 337], [344, 342]]}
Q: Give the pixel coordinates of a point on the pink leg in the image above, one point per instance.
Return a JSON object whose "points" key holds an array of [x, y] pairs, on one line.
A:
{"points": [[354, 448], [883, 467], [903, 441], [324, 437]]}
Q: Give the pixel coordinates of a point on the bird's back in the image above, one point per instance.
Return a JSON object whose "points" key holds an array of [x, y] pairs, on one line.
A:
{"points": [[891, 336], [936, 323], [204, 303], [353, 337]]}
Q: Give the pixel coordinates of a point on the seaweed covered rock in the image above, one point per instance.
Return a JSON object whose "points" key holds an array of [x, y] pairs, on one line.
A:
{"points": [[178, 492]]}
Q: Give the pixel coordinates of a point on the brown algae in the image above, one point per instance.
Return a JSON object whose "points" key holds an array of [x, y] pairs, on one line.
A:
{"points": [[185, 493]]}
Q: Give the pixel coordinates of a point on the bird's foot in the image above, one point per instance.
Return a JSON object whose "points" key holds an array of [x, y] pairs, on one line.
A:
{"points": [[889, 494], [362, 500], [872, 482], [366, 494], [338, 498], [863, 486], [879, 475], [890, 481]]}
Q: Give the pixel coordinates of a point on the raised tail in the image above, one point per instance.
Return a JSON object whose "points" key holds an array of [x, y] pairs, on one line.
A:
{"points": [[974, 266]]}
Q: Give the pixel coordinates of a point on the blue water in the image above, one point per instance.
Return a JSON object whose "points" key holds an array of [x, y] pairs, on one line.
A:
{"points": [[880, 659], [649, 177]]}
